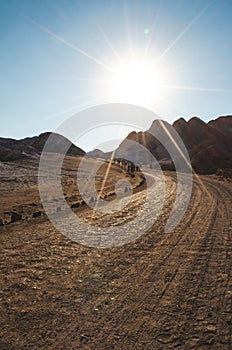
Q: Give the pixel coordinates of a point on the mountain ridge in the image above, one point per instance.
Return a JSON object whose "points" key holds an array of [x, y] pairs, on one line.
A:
{"points": [[209, 145]]}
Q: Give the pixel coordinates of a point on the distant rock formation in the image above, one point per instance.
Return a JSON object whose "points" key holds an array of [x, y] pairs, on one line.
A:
{"points": [[209, 144], [31, 147]]}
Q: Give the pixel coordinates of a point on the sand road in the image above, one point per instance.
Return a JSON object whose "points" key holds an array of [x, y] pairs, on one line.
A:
{"points": [[161, 291]]}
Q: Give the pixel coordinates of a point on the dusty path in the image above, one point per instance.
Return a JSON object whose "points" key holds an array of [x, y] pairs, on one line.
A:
{"points": [[162, 291]]}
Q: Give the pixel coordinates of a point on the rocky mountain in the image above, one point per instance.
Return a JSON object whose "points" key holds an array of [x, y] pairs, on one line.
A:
{"points": [[209, 144], [31, 147]]}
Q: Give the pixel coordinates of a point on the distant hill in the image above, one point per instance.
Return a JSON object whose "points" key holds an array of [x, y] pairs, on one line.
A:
{"points": [[31, 147], [209, 144], [96, 153]]}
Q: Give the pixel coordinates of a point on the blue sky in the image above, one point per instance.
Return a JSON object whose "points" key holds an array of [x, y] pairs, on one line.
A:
{"points": [[54, 55]]}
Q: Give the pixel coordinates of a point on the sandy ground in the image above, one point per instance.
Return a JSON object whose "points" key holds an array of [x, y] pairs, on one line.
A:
{"points": [[19, 185], [161, 291]]}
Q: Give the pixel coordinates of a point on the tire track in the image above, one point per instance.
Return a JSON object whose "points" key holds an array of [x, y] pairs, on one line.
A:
{"points": [[172, 243], [202, 223], [196, 294], [162, 291]]}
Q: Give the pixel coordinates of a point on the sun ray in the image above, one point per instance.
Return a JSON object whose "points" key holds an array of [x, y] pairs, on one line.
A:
{"points": [[67, 43], [188, 162], [107, 40], [151, 34], [196, 88], [176, 145], [66, 77], [131, 49], [105, 177], [100, 193], [179, 36]]}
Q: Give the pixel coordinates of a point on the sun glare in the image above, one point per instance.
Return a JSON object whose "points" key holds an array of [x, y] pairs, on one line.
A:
{"points": [[136, 82]]}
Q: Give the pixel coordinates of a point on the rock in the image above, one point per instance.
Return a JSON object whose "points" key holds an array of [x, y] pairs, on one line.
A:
{"points": [[84, 338], [75, 205], [92, 200], [1, 222], [36, 214], [16, 217]]}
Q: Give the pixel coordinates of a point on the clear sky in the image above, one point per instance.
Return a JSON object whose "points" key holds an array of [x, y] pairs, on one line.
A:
{"points": [[61, 56]]}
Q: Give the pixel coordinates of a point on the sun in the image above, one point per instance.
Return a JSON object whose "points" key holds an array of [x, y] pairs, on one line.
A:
{"points": [[135, 81]]}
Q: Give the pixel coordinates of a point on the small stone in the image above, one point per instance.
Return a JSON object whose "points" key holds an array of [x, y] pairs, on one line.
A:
{"points": [[211, 328], [16, 217], [83, 338], [36, 214], [75, 205]]}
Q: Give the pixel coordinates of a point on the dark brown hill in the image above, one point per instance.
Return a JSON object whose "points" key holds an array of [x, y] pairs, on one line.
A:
{"points": [[209, 144], [31, 147]]}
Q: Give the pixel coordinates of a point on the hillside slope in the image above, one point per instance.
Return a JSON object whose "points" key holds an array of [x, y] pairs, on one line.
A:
{"points": [[209, 144], [31, 147]]}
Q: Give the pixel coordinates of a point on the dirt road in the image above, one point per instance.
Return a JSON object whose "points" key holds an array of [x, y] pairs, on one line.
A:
{"points": [[162, 291]]}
